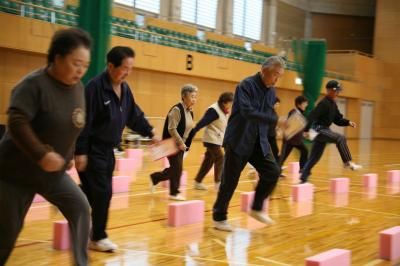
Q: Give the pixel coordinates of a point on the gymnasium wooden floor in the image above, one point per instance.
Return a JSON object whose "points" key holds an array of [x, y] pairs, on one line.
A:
{"points": [[138, 220]]}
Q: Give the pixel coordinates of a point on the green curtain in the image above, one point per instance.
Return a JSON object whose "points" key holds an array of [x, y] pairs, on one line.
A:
{"points": [[310, 57], [95, 18]]}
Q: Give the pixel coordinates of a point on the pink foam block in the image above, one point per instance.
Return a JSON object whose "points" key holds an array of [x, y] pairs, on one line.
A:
{"points": [[339, 185], [136, 154], [125, 165], [120, 184], [393, 177], [300, 209], [72, 172], [38, 198], [294, 167], [333, 257], [165, 162], [246, 200], [370, 180], [389, 244], [303, 192], [61, 235], [183, 182], [188, 212], [340, 199]]}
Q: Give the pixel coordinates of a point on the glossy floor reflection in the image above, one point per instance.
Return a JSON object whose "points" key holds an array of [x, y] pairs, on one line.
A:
{"points": [[138, 219]]}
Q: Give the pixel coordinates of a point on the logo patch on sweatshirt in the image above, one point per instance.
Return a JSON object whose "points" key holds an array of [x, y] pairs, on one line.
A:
{"points": [[78, 117]]}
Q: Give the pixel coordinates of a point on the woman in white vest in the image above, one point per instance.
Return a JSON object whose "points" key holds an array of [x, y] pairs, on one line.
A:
{"points": [[215, 120]]}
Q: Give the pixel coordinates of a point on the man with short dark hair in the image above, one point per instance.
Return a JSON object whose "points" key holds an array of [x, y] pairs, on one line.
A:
{"points": [[246, 140], [110, 106], [321, 118]]}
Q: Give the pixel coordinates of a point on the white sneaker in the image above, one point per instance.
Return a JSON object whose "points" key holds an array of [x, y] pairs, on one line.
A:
{"points": [[152, 187], [103, 245], [352, 166], [177, 197], [199, 186], [261, 216], [223, 226]]}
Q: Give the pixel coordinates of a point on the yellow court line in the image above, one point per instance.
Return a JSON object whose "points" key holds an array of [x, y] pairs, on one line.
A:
{"points": [[273, 261], [374, 262], [196, 258], [358, 209]]}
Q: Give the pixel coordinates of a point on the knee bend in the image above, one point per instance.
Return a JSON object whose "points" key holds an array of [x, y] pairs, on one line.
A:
{"points": [[341, 139]]}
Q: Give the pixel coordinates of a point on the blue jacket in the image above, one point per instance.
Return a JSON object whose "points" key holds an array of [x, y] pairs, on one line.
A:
{"points": [[107, 115], [252, 113]]}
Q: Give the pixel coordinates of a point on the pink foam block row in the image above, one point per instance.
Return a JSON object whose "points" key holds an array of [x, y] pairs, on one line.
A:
{"points": [[125, 165], [294, 167], [333, 257], [370, 180], [120, 184], [246, 200], [303, 192], [393, 177], [183, 182], [339, 185], [188, 212], [389, 244], [61, 235], [38, 198]]}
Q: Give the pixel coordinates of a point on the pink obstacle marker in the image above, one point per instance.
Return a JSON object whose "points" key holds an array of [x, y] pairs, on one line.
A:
{"points": [[303, 192], [136, 154], [61, 239], [165, 162], [246, 200], [120, 184], [393, 177], [125, 165], [339, 185], [187, 212], [370, 180], [38, 198], [300, 209], [183, 182], [333, 257], [389, 244], [340, 199], [294, 167]]}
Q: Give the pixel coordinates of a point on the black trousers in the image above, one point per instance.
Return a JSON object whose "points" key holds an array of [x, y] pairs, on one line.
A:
{"points": [[268, 170], [213, 156], [172, 173], [97, 185], [274, 147], [287, 149], [325, 136]]}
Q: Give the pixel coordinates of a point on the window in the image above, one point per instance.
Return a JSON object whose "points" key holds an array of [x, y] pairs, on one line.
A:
{"points": [[147, 5], [247, 18], [200, 12], [58, 3]]}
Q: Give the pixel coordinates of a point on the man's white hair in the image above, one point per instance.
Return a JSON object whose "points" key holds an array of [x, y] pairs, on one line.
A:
{"points": [[274, 61], [187, 89]]}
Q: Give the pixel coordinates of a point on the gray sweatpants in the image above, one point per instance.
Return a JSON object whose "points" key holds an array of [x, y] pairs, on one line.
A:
{"points": [[15, 201]]}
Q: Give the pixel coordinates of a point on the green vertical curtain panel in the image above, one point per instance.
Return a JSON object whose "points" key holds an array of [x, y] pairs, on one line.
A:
{"points": [[95, 18], [310, 56]]}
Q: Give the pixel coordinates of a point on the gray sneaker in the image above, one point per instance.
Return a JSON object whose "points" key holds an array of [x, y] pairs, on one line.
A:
{"points": [[261, 216], [223, 226], [103, 245], [199, 186]]}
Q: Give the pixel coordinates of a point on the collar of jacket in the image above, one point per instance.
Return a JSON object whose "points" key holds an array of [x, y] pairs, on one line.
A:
{"points": [[260, 82], [107, 82]]}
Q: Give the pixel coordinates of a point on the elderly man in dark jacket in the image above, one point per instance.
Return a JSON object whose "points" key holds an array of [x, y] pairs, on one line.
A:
{"points": [[246, 140]]}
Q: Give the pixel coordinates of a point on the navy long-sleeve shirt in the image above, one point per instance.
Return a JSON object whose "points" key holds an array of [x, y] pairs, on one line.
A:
{"points": [[324, 114], [107, 115], [210, 116], [252, 114]]}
